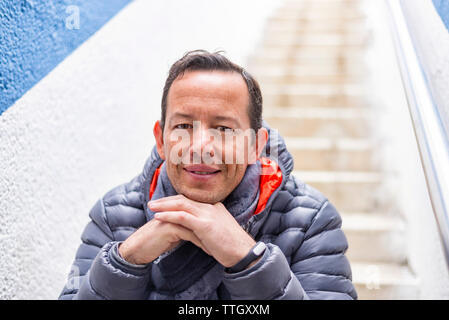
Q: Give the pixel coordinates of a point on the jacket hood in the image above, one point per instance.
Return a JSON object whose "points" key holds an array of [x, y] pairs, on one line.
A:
{"points": [[276, 150]]}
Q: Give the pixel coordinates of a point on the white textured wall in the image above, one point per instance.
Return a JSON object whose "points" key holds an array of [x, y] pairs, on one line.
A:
{"points": [[87, 127], [406, 181]]}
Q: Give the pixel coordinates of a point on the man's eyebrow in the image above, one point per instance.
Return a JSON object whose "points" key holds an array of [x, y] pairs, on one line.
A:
{"points": [[181, 115], [225, 118], [217, 118]]}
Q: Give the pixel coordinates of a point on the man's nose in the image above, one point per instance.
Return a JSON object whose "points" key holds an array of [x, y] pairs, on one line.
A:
{"points": [[202, 139]]}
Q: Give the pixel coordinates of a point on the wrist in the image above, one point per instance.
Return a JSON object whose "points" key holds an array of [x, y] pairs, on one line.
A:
{"points": [[247, 248], [126, 253], [241, 253], [252, 257], [118, 262], [253, 263]]}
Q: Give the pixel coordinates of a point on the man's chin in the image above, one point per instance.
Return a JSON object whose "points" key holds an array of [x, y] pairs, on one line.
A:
{"points": [[205, 196]]}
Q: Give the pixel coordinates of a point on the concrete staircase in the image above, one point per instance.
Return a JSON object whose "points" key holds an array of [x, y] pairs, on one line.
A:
{"points": [[311, 70]]}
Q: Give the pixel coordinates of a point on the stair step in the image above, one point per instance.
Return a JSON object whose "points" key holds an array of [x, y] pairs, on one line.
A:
{"points": [[276, 70], [344, 4], [323, 44], [338, 122], [298, 31], [375, 238], [294, 3], [331, 154], [322, 9], [309, 76], [384, 281], [286, 62], [287, 26], [323, 16], [283, 56], [348, 191], [312, 66], [339, 177], [310, 52], [314, 39], [336, 75], [322, 89], [312, 96], [327, 113], [299, 71]]}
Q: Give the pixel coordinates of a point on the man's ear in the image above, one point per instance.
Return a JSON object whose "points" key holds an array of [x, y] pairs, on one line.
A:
{"points": [[262, 139], [159, 137]]}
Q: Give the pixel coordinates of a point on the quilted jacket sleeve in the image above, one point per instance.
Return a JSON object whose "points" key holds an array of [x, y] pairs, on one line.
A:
{"points": [[98, 271], [320, 263], [318, 268]]}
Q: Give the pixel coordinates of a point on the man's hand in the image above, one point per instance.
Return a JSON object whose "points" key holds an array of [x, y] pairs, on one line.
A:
{"points": [[213, 226], [154, 238]]}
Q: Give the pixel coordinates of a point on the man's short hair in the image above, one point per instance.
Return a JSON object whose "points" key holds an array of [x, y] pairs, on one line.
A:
{"points": [[204, 60]]}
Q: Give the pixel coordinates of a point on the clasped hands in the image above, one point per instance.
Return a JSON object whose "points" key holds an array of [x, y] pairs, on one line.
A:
{"points": [[209, 226]]}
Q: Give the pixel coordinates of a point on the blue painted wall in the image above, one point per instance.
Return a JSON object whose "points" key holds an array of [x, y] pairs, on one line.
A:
{"points": [[36, 35], [442, 7]]}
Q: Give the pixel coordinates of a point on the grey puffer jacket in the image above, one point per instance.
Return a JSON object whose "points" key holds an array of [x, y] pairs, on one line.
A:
{"points": [[302, 229]]}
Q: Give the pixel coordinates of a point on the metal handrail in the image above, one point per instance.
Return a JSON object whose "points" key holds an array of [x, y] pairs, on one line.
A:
{"points": [[431, 137]]}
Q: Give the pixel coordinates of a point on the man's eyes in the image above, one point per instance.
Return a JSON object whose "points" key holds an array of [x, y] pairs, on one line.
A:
{"points": [[189, 126], [225, 129], [184, 126]]}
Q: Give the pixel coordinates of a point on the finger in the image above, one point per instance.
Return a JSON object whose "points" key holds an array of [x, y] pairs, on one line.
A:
{"points": [[175, 204], [178, 196], [182, 218], [188, 235]]}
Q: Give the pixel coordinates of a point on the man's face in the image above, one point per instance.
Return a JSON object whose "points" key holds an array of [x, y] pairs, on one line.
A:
{"points": [[207, 113]]}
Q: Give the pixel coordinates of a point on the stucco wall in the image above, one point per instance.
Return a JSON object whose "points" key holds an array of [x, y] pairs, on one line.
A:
{"points": [[87, 127], [36, 35]]}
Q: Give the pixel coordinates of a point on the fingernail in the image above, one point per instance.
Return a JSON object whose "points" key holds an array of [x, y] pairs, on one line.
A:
{"points": [[151, 203]]}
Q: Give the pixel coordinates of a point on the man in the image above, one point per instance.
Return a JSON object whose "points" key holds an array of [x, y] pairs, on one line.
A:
{"points": [[215, 214]]}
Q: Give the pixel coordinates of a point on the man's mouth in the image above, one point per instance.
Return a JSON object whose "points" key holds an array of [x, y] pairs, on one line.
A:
{"points": [[202, 172], [201, 169]]}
